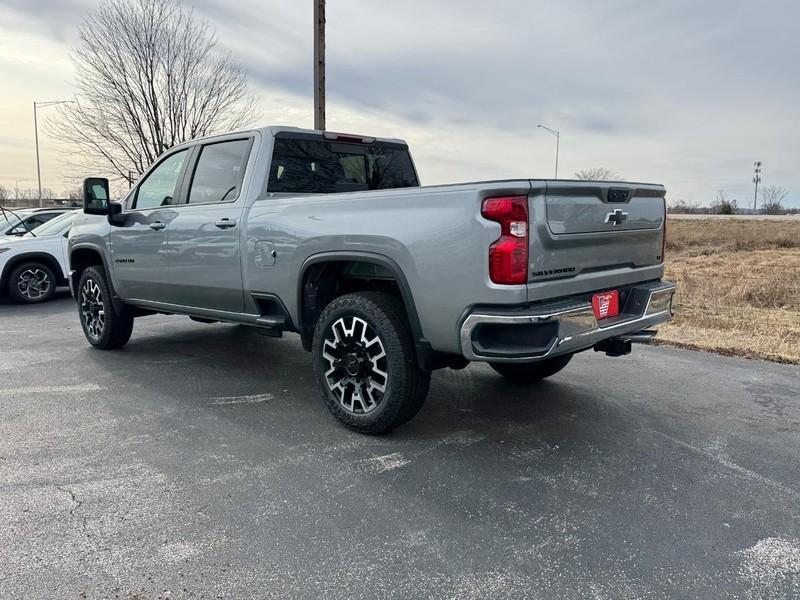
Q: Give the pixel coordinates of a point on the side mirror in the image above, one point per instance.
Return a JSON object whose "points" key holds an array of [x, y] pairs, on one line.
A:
{"points": [[115, 216], [96, 196]]}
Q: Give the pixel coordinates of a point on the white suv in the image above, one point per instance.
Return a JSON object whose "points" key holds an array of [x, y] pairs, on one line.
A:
{"points": [[19, 222], [33, 265]]}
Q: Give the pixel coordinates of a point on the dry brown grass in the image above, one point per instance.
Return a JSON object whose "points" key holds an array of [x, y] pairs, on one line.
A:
{"points": [[710, 236], [738, 287]]}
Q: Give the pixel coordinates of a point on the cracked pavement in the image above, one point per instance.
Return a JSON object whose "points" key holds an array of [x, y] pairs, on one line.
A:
{"points": [[200, 462]]}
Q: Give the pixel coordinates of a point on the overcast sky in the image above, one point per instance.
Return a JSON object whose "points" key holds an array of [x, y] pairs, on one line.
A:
{"points": [[684, 93]]}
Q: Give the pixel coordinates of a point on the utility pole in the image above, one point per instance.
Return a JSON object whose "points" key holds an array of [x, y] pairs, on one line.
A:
{"points": [[558, 140], [756, 180], [319, 64]]}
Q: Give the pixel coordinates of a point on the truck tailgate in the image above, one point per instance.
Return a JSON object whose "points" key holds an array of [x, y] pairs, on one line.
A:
{"points": [[593, 235]]}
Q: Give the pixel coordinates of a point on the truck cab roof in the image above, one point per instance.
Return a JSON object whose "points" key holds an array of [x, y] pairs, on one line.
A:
{"points": [[275, 130]]}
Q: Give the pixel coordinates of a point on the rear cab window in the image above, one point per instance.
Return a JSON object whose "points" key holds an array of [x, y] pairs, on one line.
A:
{"points": [[319, 166]]}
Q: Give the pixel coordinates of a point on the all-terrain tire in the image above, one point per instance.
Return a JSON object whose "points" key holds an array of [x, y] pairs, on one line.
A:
{"points": [[104, 327], [358, 328], [31, 283], [531, 372]]}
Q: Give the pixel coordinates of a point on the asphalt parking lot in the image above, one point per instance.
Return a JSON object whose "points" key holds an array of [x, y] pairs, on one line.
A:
{"points": [[200, 462]]}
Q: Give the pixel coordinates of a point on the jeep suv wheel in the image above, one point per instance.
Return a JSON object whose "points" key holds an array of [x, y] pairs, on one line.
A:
{"points": [[103, 327], [31, 283], [365, 364]]}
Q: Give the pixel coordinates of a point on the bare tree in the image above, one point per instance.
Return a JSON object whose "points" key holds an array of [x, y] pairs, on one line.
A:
{"points": [[772, 197], [25, 193], [149, 76], [5, 193], [598, 174], [682, 207], [722, 205]]}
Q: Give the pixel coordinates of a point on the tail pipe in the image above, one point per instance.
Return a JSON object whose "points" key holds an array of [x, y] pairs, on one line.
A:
{"points": [[645, 336], [621, 345]]}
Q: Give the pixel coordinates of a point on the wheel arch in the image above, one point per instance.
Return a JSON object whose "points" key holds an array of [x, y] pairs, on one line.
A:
{"points": [[83, 256], [40, 257], [316, 262]]}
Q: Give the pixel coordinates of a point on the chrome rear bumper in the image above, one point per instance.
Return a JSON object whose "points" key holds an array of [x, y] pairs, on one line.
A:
{"points": [[572, 323]]}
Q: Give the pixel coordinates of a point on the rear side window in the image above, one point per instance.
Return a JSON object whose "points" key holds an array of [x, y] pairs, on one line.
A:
{"points": [[321, 167], [218, 174]]}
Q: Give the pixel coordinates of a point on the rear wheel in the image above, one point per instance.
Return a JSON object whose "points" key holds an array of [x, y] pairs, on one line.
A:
{"points": [[31, 283], [365, 364], [530, 372], [103, 327]]}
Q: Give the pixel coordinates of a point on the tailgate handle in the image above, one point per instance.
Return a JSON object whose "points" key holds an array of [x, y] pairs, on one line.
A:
{"points": [[618, 195]]}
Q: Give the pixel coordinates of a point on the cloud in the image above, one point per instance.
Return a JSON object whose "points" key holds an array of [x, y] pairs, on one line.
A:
{"points": [[684, 93]]}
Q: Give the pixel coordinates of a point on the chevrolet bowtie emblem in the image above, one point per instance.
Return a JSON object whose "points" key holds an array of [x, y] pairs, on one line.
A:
{"points": [[616, 217]]}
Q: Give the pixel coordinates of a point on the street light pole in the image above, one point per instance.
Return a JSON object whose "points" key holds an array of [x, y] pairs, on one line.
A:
{"points": [[558, 140], [38, 168], [37, 105], [756, 180]]}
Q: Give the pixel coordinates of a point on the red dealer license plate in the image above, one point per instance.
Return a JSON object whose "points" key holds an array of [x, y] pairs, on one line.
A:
{"points": [[606, 304]]}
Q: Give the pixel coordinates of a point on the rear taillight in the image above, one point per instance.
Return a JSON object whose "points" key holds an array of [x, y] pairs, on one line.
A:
{"points": [[508, 256]]}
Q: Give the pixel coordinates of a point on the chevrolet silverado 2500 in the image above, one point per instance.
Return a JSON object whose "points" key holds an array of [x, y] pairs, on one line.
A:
{"points": [[331, 236]]}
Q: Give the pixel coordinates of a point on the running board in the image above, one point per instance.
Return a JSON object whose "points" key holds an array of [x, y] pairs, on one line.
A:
{"points": [[274, 319], [271, 325]]}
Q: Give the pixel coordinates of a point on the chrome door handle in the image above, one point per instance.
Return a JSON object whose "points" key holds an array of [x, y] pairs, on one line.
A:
{"points": [[156, 225], [225, 223]]}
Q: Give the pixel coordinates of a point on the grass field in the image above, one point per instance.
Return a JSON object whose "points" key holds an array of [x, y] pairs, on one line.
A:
{"points": [[738, 287]]}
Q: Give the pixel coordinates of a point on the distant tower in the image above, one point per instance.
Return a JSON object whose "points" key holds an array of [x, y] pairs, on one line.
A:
{"points": [[756, 180]]}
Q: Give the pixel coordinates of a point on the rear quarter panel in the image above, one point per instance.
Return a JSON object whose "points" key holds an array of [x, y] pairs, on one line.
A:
{"points": [[434, 234]]}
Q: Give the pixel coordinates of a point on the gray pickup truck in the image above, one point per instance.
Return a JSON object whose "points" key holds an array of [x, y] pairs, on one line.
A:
{"points": [[331, 236]]}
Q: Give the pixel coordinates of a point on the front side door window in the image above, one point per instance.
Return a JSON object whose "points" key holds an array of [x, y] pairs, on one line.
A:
{"points": [[31, 223], [160, 185]]}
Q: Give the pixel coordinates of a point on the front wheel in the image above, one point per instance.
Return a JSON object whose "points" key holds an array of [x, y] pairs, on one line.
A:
{"points": [[531, 372], [103, 327], [365, 363]]}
